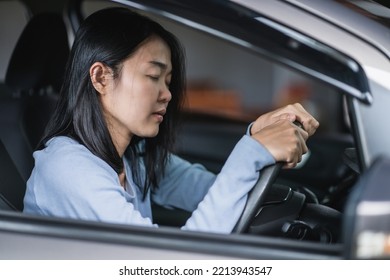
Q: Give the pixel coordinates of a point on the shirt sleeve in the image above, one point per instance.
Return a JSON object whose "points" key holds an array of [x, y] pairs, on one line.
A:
{"points": [[223, 204], [184, 185]]}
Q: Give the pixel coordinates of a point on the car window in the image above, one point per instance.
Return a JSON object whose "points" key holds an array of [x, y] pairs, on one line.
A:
{"points": [[228, 81], [230, 85]]}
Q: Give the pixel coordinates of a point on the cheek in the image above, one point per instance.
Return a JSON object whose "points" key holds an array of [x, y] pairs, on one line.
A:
{"points": [[145, 94], [136, 97], [136, 104]]}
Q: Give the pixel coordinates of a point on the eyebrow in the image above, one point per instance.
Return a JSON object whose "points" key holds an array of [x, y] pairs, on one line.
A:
{"points": [[159, 64]]}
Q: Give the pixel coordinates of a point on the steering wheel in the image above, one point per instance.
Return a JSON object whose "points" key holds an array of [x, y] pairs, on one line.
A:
{"points": [[256, 197]]}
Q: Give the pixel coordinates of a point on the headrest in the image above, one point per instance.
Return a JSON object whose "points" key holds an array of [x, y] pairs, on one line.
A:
{"points": [[39, 58]]}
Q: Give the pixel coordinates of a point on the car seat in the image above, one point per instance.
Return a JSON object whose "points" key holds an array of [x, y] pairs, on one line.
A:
{"points": [[32, 83], [12, 185]]}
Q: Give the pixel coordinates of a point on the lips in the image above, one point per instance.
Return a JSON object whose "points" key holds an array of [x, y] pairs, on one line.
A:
{"points": [[160, 114]]}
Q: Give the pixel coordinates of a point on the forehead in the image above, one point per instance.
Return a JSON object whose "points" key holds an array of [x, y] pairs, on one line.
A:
{"points": [[154, 50]]}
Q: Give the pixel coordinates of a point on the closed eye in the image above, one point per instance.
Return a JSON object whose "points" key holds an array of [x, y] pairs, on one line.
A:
{"points": [[154, 78]]}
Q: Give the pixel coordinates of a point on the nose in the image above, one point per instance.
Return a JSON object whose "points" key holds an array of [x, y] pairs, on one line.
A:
{"points": [[165, 95]]}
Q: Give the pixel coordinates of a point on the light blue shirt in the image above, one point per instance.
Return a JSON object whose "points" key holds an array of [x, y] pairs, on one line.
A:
{"points": [[69, 181]]}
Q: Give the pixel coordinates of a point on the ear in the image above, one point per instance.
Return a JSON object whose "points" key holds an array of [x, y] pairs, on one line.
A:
{"points": [[101, 76]]}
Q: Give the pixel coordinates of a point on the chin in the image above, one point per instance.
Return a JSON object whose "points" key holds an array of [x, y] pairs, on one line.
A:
{"points": [[149, 134]]}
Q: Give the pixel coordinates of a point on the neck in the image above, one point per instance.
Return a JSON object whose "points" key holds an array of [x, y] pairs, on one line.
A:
{"points": [[121, 141], [121, 145], [122, 178], [120, 136]]}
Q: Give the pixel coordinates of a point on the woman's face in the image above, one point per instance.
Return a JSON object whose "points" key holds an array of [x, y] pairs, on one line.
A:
{"points": [[136, 101]]}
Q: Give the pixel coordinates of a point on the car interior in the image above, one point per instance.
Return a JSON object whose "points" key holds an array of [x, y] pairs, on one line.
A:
{"points": [[305, 203], [28, 97]]}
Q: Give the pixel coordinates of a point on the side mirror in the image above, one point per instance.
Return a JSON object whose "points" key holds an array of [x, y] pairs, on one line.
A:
{"points": [[366, 223]]}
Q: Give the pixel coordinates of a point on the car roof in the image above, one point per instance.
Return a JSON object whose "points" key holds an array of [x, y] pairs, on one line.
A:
{"points": [[366, 19]]}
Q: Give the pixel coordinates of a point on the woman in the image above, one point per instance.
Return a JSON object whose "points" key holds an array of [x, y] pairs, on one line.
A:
{"points": [[106, 154]]}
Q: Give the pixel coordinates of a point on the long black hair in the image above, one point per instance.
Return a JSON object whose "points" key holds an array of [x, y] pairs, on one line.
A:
{"points": [[110, 36]]}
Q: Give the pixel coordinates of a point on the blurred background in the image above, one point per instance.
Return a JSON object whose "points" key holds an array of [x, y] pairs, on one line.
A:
{"points": [[223, 80]]}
